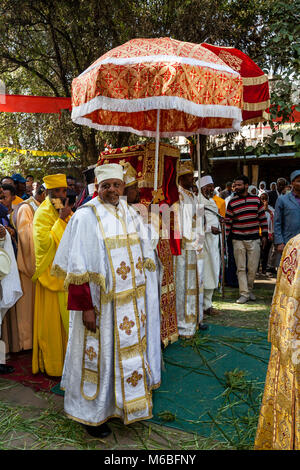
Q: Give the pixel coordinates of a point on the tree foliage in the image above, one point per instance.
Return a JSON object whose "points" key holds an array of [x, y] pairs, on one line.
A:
{"points": [[44, 44]]}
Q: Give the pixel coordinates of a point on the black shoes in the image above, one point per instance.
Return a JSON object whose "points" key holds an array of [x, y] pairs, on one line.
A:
{"points": [[203, 327], [5, 369], [98, 431]]}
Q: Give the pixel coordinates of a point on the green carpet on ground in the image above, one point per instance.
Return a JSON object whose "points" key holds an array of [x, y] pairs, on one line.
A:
{"points": [[212, 384]]}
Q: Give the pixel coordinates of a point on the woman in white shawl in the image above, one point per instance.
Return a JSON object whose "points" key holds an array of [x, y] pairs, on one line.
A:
{"points": [[10, 289], [253, 190], [262, 187]]}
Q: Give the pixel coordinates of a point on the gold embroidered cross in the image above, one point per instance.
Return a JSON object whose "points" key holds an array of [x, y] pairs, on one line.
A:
{"points": [[127, 325], [134, 379], [123, 270], [91, 353], [143, 318], [139, 265]]}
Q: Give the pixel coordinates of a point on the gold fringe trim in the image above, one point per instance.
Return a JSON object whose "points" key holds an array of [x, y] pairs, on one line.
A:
{"points": [[265, 117], [108, 297], [79, 279], [256, 106], [150, 265], [82, 421], [90, 376], [191, 291], [255, 80], [174, 338], [126, 297], [133, 351], [121, 241], [155, 386], [137, 405], [58, 272], [190, 267]]}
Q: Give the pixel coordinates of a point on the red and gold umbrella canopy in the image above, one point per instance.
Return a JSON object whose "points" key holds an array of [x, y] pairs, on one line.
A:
{"points": [[256, 95], [196, 91]]}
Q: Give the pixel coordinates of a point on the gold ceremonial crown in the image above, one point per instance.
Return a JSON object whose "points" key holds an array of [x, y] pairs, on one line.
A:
{"points": [[185, 168]]}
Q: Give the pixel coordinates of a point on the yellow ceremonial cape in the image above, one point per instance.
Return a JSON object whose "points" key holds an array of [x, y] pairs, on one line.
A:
{"points": [[279, 420], [51, 317], [221, 205], [18, 200]]}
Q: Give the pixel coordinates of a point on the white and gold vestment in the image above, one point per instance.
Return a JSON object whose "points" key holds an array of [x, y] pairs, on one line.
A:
{"points": [[189, 265], [111, 373]]}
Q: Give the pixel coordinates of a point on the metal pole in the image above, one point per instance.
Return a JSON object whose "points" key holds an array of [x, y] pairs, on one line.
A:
{"points": [[156, 150], [199, 166]]}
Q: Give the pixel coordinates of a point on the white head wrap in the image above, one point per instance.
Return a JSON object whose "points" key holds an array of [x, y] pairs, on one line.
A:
{"points": [[205, 180], [251, 187], [109, 171]]}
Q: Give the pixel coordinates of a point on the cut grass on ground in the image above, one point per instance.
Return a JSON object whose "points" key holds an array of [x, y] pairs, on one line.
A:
{"points": [[253, 314]]}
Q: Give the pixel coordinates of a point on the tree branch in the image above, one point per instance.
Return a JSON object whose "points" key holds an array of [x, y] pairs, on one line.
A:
{"points": [[32, 70]]}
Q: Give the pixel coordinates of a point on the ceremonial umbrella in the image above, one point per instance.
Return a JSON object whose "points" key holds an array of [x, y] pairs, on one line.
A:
{"points": [[256, 94], [159, 87]]}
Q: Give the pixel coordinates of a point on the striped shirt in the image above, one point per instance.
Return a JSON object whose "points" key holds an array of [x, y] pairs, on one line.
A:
{"points": [[245, 215]]}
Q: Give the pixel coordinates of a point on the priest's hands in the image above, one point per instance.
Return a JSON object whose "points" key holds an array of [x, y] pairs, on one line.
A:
{"points": [[280, 247], [215, 230], [89, 320], [2, 232], [65, 211]]}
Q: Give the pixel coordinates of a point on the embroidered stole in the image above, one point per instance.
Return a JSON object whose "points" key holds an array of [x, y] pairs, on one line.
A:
{"points": [[132, 371], [193, 291]]}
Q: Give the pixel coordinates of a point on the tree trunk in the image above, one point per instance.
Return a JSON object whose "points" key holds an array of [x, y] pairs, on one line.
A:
{"points": [[88, 148]]}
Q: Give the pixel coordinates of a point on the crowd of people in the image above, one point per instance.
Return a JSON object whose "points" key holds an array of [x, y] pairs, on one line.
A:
{"points": [[89, 283]]}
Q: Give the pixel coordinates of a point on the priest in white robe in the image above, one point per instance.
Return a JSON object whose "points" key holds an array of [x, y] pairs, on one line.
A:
{"points": [[113, 358], [189, 265], [10, 289], [211, 247]]}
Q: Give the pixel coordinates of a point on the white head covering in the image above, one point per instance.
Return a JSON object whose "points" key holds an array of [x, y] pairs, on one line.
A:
{"points": [[205, 180], [251, 187], [109, 171]]}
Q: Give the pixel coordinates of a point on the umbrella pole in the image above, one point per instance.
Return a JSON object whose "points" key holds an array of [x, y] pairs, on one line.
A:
{"points": [[199, 166], [156, 150]]}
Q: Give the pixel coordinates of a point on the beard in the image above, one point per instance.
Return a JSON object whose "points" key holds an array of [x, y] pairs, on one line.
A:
{"points": [[58, 202], [240, 191]]}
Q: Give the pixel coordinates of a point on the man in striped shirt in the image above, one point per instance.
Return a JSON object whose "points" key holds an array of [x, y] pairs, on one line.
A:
{"points": [[245, 217]]}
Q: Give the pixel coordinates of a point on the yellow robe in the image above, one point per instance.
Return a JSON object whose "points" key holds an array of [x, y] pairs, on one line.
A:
{"points": [[26, 266], [50, 310], [279, 420]]}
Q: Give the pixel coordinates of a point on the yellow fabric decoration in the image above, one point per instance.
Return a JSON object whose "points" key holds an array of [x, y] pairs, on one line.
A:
{"points": [[55, 181], [279, 420], [149, 264]]}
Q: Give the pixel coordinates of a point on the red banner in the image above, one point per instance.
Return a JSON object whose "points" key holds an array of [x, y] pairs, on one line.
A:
{"points": [[33, 104]]}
